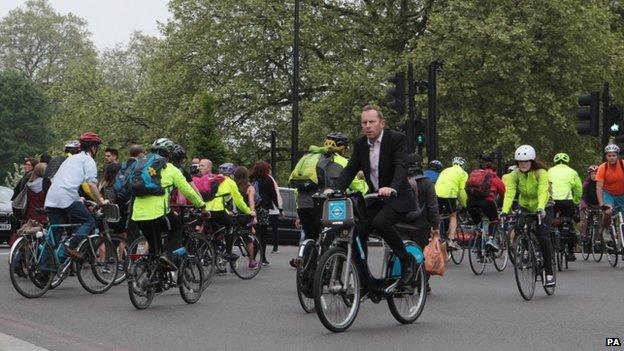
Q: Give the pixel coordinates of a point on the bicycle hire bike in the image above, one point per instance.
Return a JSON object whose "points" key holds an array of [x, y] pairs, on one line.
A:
{"points": [[37, 261], [310, 250], [479, 254], [529, 262], [342, 277]]}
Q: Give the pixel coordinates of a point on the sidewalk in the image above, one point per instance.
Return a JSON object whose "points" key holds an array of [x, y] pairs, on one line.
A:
{"points": [[10, 343]]}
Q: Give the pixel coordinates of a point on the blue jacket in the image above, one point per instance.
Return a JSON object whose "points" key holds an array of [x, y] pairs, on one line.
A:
{"points": [[431, 174]]}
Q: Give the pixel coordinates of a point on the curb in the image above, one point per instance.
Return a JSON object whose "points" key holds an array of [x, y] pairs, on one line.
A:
{"points": [[10, 343]]}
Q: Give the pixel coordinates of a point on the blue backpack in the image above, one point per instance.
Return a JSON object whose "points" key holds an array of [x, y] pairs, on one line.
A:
{"points": [[145, 177], [122, 180]]}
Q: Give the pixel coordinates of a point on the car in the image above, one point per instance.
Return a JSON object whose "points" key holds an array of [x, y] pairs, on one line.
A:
{"points": [[288, 233], [7, 222]]}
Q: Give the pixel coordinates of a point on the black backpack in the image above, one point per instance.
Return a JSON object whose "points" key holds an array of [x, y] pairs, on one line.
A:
{"points": [[418, 212], [53, 167]]}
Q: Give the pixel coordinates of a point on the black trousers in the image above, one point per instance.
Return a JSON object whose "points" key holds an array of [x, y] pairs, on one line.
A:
{"points": [[310, 219], [483, 207], [220, 219], [567, 209], [543, 237], [154, 229], [382, 218]]}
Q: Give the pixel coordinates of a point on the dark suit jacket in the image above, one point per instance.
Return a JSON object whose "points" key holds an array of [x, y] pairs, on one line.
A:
{"points": [[392, 168]]}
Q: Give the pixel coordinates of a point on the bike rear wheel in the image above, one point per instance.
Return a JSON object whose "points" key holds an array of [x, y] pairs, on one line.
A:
{"points": [[476, 255], [610, 245], [407, 305], [97, 270], [586, 243], [32, 266], [249, 252], [305, 275], [457, 255], [524, 267], [191, 280], [501, 257], [337, 303], [140, 289], [119, 243]]}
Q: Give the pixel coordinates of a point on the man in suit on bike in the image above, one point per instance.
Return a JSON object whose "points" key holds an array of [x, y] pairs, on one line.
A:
{"points": [[381, 155]]}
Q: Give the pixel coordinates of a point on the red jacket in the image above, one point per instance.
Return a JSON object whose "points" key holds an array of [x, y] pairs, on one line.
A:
{"points": [[497, 186]]}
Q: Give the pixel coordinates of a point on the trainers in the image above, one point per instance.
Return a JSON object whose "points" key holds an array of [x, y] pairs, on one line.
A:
{"points": [[571, 257], [295, 262], [275, 250], [452, 245], [550, 281], [491, 243], [230, 256], [265, 263], [254, 264]]}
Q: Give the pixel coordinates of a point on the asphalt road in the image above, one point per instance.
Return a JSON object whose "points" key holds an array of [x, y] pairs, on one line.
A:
{"points": [[464, 312]]}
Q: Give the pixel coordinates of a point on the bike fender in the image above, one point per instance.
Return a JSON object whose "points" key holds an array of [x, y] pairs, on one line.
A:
{"points": [[305, 244], [13, 247]]}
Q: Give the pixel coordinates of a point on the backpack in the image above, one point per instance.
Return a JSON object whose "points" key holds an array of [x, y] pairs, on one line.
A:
{"points": [[304, 176], [417, 213], [208, 186], [122, 180], [479, 184], [257, 197], [146, 176], [51, 169]]}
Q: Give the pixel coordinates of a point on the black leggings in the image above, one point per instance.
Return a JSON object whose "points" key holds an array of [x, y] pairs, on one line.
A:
{"points": [[480, 207], [220, 219], [154, 229], [567, 209]]}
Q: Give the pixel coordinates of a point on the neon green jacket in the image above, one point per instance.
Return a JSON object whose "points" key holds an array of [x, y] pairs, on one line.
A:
{"points": [[451, 184], [534, 193], [566, 183], [228, 190], [150, 207]]}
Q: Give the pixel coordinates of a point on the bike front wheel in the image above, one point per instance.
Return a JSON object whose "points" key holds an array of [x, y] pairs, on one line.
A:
{"points": [[610, 245], [337, 302], [140, 289], [191, 280], [97, 269], [203, 250], [476, 255], [524, 267], [597, 247]]}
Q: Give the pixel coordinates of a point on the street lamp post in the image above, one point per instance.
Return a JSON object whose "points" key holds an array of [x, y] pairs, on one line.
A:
{"points": [[294, 143]]}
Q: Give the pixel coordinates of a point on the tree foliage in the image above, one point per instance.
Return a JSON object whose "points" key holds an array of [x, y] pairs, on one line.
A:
{"points": [[205, 138]]}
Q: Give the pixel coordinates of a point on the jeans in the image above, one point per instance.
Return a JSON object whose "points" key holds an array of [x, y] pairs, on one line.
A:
{"points": [[77, 213]]}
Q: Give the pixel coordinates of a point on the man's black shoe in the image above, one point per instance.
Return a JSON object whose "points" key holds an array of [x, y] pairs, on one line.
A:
{"points": [[571, 257]]}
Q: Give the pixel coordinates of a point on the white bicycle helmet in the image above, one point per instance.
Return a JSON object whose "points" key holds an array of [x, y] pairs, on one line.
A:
{"points": [[525, 153], [460, 161], [612, 148]]}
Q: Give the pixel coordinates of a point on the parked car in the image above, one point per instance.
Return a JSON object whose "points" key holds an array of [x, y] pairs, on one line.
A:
{"points": [[289, 234], [6, 214]]}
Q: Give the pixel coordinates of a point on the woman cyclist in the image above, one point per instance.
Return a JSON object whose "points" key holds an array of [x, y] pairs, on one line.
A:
{"points": [[530, 181]]}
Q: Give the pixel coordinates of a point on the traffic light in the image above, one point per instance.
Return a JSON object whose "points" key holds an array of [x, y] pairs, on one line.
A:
{"points": [[397, 91], [420, 132], [588, 114], [615, 125]]}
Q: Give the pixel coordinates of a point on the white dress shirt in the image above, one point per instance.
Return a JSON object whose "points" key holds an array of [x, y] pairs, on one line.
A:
{"points": [[374, 146]]}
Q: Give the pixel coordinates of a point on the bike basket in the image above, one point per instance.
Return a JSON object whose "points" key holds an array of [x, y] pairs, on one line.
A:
{"points": [[111, 213], [338, 213]]}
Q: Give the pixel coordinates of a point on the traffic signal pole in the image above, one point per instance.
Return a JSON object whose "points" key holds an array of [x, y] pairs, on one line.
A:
{"points": [[605, 107], [432, 119], [411, 104]]}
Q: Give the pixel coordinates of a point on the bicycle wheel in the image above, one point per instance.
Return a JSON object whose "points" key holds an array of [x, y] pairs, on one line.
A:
{"points": [[598, 247], [337, 302], [119, 243], [407, 305], [197, 245], [32, 266], [305, 275], [586, 243], [97, 269], [191, 280], [501, 257], [476, 255], [457, 255], [249, 251], [524, 268], [140, 290], [611, 248]]}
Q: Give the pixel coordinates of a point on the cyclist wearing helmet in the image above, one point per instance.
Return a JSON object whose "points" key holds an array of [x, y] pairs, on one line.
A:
{"points": [[530, 181], [227, 192], [481, 203], [589, 199], [451, 188], [151, 212], [63, 200], [433, 172], [566, 191], [610, 183]]}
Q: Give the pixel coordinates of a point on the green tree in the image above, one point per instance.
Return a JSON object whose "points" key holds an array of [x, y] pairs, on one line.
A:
{"points": [[24, 114], [205, 138]]}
